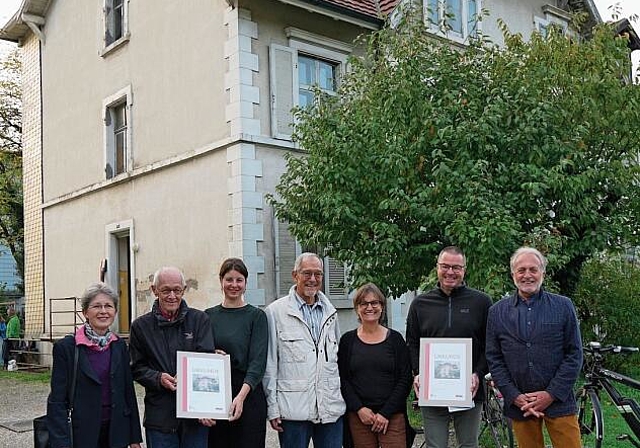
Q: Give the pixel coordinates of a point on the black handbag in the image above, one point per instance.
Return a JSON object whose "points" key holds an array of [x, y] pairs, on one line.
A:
{"points": [[40, 429], [40, 432]]}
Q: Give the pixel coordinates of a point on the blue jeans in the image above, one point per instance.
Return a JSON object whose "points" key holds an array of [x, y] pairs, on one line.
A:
{"points": [[297, 434], [189, 436]]}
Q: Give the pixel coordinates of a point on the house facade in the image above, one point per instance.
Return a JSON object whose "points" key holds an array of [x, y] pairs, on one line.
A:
{"points": [[153, 130]]}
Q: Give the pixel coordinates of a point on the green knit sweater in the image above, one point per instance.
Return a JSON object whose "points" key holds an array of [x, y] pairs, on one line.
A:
{"points": [[241, 333]]}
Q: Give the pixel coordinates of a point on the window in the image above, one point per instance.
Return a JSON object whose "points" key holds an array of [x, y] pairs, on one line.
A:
{"points": [[309, 60], [553, 17], [457, 18], [335, 274], [119, 117], [115, 23], [315, 72], [117, 123]]}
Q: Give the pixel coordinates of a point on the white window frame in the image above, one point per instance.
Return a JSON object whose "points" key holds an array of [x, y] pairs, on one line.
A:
{"points": [[334, 64], [455, 36], [116, 43], [552, 16], [317, 47], [313, 46], [123, 96]]}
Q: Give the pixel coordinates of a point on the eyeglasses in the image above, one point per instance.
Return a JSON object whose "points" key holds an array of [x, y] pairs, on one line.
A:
{"points": [[167, 291], [99, 307], [308, 274], [455, 267], [373, 303]]}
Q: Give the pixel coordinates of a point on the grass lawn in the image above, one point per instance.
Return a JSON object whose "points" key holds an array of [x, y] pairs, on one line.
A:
{"points": [[614, 423], [26, 377]]}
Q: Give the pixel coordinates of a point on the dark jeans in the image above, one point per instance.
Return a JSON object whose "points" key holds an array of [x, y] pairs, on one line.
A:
{"points": [[297, 434], [8, 347], [189, 436]]}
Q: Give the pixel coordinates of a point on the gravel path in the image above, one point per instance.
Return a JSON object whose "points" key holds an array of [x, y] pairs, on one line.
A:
{"points": [[21, 402]]}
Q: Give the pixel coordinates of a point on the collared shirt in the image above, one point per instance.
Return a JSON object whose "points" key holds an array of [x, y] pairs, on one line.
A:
{"points": [[527, 314], [312, 315]]}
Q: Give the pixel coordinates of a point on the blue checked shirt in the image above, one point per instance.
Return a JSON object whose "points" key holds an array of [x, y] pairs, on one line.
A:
{"points": [[312, 315]]}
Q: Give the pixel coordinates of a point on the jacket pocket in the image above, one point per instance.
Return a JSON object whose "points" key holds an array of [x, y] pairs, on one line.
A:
{"points": [[291, 347], [330, 402], [294, 399]]}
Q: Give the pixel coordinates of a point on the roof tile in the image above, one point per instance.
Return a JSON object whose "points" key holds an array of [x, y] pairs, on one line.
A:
{"points": [[371, 8]]}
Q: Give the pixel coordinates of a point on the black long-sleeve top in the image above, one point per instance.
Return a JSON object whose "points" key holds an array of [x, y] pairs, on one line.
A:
{"points": [[463, 314], [377, 376]]}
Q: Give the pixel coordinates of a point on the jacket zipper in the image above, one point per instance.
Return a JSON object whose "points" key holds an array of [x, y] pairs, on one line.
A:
{"points": [[326, 355]]}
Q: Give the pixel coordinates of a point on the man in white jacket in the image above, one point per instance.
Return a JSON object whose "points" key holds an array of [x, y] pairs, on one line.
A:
{"points": [[301, 380]]}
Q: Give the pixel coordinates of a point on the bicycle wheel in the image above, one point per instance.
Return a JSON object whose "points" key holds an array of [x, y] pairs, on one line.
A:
{"points": [[498, 425], [590, 418]]}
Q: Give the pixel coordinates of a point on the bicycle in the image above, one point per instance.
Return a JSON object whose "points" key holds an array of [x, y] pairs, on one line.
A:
{"points": [[597, 378], [493, 419]]}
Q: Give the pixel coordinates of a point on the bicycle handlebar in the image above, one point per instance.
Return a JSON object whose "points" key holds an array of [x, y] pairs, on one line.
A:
{"points": [[596, 347]]}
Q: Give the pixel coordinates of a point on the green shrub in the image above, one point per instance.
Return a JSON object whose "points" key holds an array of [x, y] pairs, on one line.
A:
{"points": [[608, 304]]}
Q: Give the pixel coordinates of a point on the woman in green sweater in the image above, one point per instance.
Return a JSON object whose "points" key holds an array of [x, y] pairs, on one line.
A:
{"points": [[240, 330]]}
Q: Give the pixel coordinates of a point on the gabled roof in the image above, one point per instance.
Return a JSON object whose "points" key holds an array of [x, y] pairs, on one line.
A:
{"points": [[624, 28]]}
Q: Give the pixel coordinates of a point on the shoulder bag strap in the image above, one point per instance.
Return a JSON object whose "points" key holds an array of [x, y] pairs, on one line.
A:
{"points": [[72, 393]]}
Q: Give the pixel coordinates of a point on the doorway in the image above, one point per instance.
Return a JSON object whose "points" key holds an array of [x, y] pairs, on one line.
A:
{"points": [[119, 273]]}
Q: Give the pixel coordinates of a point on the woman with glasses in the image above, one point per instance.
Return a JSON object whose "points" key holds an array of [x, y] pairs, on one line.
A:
{"points": [[375, 376], [105, 409], [240, 330]]}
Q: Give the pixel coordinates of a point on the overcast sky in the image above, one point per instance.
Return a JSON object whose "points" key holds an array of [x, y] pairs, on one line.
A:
{"points": [[7, 9], [628, 8]]}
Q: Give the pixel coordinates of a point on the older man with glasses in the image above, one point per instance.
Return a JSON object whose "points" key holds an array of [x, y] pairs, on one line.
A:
{"points": [[451, 310], [301, 380], [154, 340]]}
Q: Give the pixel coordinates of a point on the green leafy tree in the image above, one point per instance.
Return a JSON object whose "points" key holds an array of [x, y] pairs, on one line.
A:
{"points": [[488, 148], [11, 211], [607, 302]]}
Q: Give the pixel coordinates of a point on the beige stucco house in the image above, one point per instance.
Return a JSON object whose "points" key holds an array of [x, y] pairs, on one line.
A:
{"points": [[154, 128]]}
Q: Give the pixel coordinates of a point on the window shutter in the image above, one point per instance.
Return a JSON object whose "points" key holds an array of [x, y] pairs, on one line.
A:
{"points": [[335, 283], [283, 79], [285, 258]]}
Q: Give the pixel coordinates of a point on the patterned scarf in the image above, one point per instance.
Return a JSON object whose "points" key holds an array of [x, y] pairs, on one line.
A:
{"points": [[96, 341]]}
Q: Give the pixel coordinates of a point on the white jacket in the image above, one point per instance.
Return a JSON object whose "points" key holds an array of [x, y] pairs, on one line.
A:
{"points": [[301, 380]]}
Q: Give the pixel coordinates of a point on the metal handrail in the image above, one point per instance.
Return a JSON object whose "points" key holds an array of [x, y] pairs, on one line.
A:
{"points": [[76, 312]]}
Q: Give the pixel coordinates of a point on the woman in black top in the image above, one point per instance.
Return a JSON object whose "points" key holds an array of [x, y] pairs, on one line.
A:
{"points": [[240, 330], [375, 375]]}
